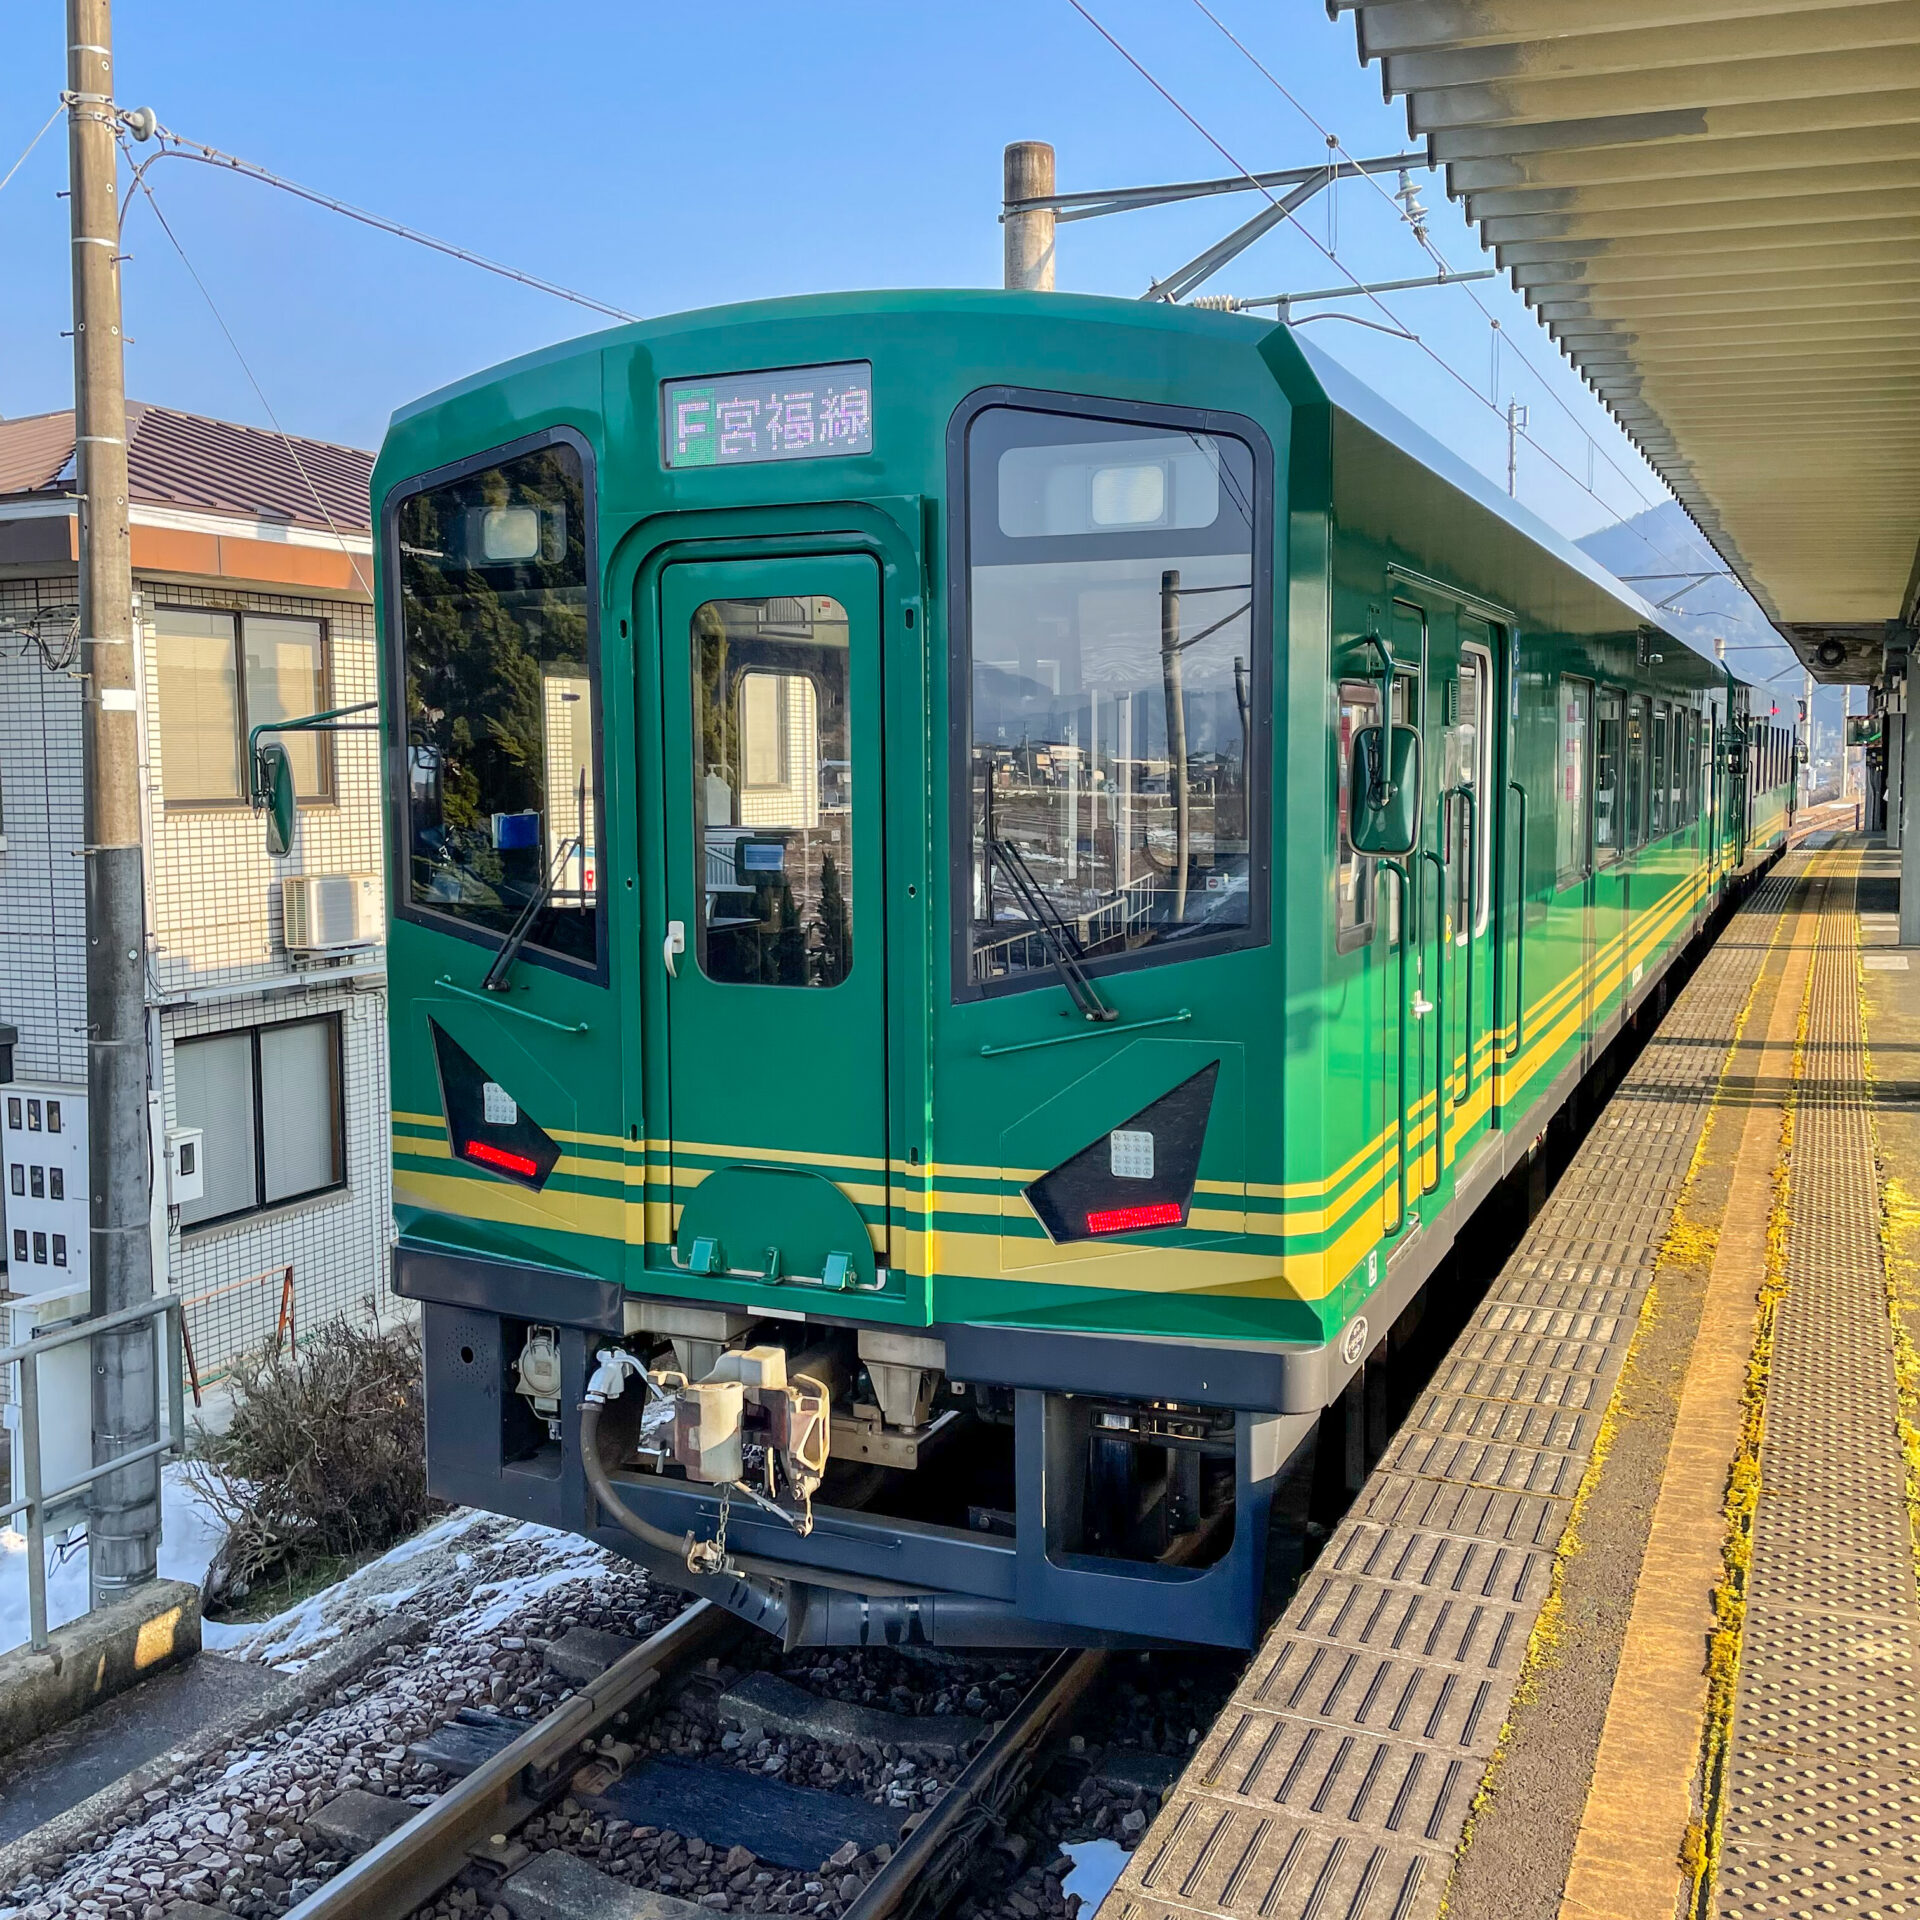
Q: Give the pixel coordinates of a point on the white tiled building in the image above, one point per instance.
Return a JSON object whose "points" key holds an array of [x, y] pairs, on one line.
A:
{"points": [[252, 570]]}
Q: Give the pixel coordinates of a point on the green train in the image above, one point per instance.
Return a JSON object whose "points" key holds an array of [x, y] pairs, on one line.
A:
{"points": [[980, 885]]}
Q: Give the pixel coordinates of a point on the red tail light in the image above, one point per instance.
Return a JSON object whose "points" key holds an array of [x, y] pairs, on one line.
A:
{"points": [[1135, 1219], [489, 1155]]}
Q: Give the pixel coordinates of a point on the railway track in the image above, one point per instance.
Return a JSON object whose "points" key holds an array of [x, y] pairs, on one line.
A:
{"points": [[468, 1834], [1828, 816], [467, 1837]]}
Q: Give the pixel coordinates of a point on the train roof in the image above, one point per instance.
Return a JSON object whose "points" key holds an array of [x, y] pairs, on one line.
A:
{"points": [[1353, 396], [1338, 387]]}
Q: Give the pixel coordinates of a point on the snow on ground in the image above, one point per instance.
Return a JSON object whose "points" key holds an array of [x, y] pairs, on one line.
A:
{"points": [[229, 1830], [189, 1538], [292, 1637]]}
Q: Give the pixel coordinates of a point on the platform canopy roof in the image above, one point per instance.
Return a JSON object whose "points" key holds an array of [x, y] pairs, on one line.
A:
{"points": [[1714, 208]]}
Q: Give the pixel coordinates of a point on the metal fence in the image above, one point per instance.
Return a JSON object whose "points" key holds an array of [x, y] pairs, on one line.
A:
{"points": [[225, 1323], [163, 1314]]}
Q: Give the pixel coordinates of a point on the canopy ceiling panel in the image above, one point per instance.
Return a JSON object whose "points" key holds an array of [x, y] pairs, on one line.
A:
{"points": [[1714, 209]]}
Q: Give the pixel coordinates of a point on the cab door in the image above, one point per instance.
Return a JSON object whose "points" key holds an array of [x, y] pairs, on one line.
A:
{"points": [[771, 948]]}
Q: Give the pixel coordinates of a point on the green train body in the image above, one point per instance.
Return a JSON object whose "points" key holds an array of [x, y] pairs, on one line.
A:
{"points": [[808, 933]]}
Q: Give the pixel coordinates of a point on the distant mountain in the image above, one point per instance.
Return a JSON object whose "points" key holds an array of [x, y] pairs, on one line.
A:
{"points": [[1663, 541]]}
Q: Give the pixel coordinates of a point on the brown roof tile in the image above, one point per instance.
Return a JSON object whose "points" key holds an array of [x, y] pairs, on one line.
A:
{"points": [[186, 460]]}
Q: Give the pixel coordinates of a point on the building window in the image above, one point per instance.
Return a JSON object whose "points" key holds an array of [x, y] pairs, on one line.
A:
{"points": [[267, 1100], [223, 673], [494, 574]]}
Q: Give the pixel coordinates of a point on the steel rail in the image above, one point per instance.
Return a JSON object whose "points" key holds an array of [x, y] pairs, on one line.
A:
{"points": [[930, 1866], [413, 1863]]}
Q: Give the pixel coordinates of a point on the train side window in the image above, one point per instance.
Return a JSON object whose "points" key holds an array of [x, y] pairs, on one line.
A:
{"points": [[1572, 820], [1115, 681], [1473, 769], [493, 575], [1639, 727], [1677, 778], [1609, 820], [1661, 820], [1353, 875]]}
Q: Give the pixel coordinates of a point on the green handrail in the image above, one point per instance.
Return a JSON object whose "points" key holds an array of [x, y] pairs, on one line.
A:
{"points": [[1400, 1025], [1464, 794], [1440, 1062], [499, 1005], [1519, 934]]}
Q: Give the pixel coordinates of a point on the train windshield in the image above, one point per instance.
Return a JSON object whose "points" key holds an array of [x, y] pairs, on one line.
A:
{"points": [[1111, 634], [502, 795]]}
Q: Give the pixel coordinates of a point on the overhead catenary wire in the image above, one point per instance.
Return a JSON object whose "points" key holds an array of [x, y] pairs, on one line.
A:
{"points": [[1428, 245], [145, 186], [1397, 325], [177, 146], [27, 151]]}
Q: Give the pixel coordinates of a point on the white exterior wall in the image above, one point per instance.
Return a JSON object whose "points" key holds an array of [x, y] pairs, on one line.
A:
{"points": [[218, 963]]}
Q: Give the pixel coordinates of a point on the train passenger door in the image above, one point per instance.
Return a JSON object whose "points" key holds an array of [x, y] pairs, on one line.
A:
{"points": [[1612, 883], [1469, 801], [1420, 920], [771, 947]]}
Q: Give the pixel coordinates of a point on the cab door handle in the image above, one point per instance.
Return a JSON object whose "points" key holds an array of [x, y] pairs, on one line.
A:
{"points": [[675, 943]]}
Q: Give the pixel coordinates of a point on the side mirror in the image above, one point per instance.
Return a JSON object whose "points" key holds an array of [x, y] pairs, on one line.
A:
{"points": [[1384, 790], [1800, 753], [275, 784]]}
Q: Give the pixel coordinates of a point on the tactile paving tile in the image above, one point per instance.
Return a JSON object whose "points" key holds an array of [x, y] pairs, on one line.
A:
{"points": [[1822, 1793], [1335, 1784]]}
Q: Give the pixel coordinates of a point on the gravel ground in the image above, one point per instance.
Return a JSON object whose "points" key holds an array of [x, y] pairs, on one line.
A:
{"points": [[228, 1833], [1147, 1704]]}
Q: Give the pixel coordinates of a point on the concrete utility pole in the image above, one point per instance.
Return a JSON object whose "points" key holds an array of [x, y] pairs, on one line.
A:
{"points": [[124, 1508], [1028, 175]]}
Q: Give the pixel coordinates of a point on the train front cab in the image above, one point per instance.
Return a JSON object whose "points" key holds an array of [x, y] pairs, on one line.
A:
{"points": [[810, 936]]}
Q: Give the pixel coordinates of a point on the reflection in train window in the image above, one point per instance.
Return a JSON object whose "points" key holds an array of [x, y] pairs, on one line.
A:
{"points": [[1113, 663], [773, 790]]}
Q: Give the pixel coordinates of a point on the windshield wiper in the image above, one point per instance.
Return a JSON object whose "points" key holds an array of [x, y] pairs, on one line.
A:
{"points": [[495, 978], [1054, 931]]}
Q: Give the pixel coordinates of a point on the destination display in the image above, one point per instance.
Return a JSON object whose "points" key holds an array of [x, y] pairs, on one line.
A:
{"points": [[792, 413]]}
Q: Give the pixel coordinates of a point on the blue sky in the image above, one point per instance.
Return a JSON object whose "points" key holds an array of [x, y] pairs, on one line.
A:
{"points": [[663, 157]]}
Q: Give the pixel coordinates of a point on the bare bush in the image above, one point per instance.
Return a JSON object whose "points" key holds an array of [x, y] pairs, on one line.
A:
{"points": [[325, 1456]]}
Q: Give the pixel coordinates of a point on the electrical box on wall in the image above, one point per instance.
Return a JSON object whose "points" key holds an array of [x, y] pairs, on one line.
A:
{"points": [[186, 1172], [43, 1148], [66, 1398], [323, 911]]}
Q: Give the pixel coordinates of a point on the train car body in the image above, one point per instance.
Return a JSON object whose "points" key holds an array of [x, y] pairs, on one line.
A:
{"points": [[908, 1104]]}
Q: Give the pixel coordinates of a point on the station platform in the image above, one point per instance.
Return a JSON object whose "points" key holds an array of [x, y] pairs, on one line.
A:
{"points": [[1625, 1623]]}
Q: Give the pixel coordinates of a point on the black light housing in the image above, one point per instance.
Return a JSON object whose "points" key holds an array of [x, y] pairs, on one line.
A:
{"points": [[1136, 1179], [511, 1148]]}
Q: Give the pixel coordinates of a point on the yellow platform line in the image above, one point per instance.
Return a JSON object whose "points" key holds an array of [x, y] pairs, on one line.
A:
{"points": [[1640, 1801]]}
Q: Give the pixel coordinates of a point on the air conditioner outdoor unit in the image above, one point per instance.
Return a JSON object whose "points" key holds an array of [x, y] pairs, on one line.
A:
{"points": [[327, 910]]}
